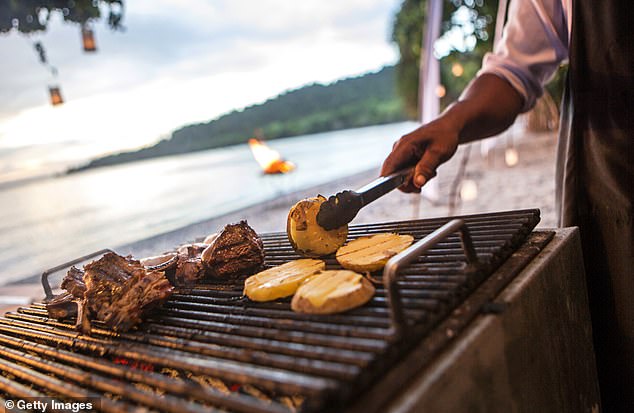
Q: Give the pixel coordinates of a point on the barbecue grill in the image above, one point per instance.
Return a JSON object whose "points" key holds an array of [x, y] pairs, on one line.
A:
{"points": [[211, 348]]}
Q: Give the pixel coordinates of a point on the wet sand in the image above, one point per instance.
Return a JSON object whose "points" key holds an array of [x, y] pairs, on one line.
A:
{"points": [[528, 184]]}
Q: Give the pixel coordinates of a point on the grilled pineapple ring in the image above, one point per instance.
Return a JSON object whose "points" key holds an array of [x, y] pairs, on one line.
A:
{"points": [[369, 254], [332, 292], [305, 234], [281, 281]]}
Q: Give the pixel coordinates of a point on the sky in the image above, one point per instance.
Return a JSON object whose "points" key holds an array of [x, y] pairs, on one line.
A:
{"points": [[178, 62]]}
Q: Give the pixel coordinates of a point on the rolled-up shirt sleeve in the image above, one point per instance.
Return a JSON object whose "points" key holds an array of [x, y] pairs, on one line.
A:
{"points": [[533, 45]]}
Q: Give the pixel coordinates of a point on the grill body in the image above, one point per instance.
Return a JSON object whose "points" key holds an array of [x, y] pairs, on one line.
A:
{"points": [[209, 347], [529, 350]]}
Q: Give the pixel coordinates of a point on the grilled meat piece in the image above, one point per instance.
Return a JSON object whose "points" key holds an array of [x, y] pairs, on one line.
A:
{"points": [[192, 250], [189, 268], [160, 262], [237, 250], [166, 263], [73, 282], [119, 291], [66, 304], [62, 307]]}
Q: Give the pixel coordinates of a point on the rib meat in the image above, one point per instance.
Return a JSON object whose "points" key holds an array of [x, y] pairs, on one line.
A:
{"points": [[116, 290], [120, 291]]}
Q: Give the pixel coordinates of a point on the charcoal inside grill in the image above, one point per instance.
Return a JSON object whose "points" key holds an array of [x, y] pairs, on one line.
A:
{"points": [[207, 334]]}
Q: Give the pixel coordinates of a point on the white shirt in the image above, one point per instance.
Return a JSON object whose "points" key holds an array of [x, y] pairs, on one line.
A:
{"points": [[534, 43]]}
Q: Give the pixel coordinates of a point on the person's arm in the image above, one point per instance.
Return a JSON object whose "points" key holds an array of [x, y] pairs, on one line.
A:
{"points": [[535, 41], [488, 106]]}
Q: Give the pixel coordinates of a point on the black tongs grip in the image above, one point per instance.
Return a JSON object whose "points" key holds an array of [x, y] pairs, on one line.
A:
{"points": [[341, 208]]}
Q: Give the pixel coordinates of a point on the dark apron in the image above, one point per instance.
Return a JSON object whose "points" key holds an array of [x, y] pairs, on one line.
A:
{"points": [[596, 180]]}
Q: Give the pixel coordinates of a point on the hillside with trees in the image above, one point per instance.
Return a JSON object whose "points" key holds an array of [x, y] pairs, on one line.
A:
{"points": [[370, 99]]}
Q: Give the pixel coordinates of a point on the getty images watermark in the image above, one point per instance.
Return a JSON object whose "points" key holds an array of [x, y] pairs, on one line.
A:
{"points": [[49, 404]]}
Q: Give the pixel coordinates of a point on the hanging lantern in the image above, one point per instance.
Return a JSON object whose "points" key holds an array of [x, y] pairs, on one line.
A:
{"points": [[56, 95], [88, 39]]}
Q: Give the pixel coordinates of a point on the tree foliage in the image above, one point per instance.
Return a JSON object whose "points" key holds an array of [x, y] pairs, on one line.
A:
{"points": [[27, 16], [407, 33], [469, 19]]}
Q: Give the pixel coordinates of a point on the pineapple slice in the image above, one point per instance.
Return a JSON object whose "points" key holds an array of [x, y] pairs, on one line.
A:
{"points": [[281, 281], [368, 254], [332, 292], [305, 234]]}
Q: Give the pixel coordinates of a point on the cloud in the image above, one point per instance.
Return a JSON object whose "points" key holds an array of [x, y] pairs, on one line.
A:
{"points": [[184, 61]]}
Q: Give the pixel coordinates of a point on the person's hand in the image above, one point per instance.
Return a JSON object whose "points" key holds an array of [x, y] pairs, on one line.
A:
{"points": [[427, 147], [488, 106]]}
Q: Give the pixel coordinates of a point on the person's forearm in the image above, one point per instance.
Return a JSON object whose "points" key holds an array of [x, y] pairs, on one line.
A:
{"points": [[488, 106]]}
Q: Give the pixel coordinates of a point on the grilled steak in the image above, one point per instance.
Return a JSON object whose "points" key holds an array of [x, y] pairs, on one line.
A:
{"points": [[189, 268], [237, 250], [119, 290]]}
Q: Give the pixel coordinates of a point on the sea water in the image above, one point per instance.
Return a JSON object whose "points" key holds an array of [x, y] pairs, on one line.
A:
{"points": [[50, 221]]}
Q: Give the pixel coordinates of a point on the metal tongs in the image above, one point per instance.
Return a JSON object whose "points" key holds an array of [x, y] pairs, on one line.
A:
{"points": [[341, 208]]}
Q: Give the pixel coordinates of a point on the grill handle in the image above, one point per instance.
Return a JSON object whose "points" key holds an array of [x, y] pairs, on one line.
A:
{"points": [[45, 282], [409, 255]]}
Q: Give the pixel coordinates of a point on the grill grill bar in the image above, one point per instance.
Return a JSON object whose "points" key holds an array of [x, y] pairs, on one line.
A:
{"points": [[314, 366], [17, 390], [282, 324], [57, 386], [158, 381], [268, 378], [321, 353], [101, 383], [211, 334]]}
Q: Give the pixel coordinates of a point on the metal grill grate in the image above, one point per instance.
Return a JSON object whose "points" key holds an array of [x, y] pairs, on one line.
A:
{"points": [[211, 347]]}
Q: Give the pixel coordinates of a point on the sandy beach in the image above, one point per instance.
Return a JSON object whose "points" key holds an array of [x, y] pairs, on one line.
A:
{"points": [[528, 184]]}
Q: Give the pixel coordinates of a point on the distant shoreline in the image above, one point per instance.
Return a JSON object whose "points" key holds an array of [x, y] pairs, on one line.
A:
{"points": [[87, 167], [367, 100], [29, 180]]}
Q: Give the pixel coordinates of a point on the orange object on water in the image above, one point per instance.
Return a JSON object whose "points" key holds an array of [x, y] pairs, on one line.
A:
{"points": [[269, 159]]}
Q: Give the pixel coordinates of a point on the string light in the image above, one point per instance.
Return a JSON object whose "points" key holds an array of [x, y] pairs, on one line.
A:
{"points": [[457, 70], [468, 190], [511, 157]]}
